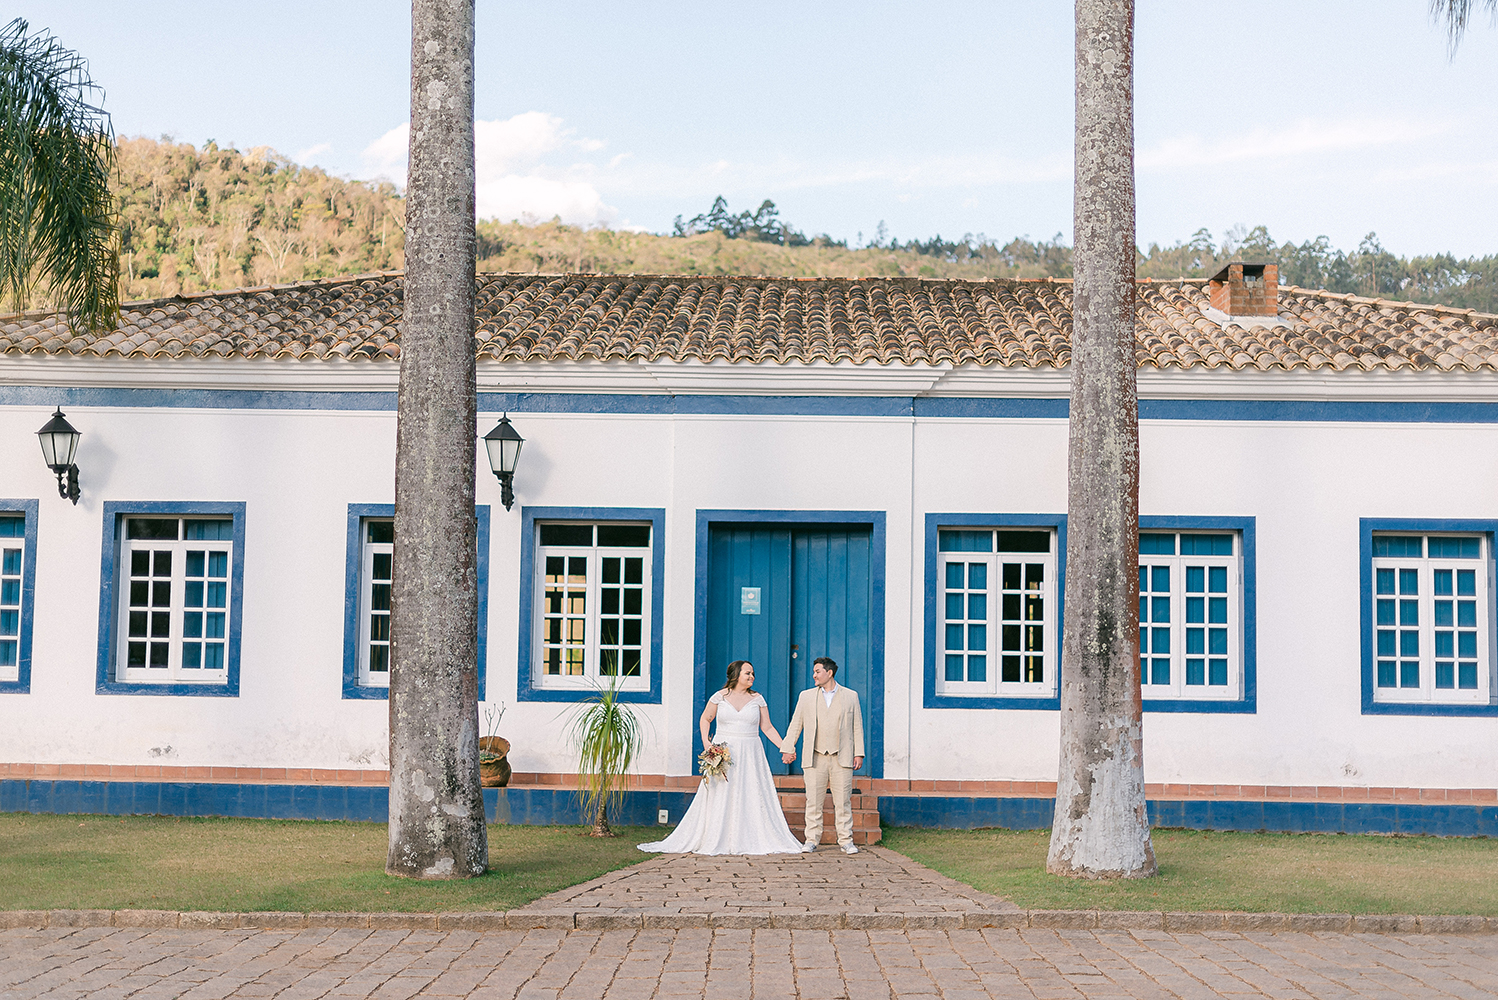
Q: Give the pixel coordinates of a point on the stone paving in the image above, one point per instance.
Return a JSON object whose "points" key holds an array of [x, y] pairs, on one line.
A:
{"points": [[826, 889], [818, 927], [108, 963]]}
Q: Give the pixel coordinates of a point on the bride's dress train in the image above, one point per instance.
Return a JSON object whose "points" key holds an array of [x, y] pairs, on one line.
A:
{"points": [[740, 814]]}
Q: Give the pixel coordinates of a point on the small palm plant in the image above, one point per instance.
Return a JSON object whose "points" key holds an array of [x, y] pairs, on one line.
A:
{"points": [[607, 736]]}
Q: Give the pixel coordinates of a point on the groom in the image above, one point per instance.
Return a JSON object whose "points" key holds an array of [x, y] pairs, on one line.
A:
{"points": [[833, 722]]}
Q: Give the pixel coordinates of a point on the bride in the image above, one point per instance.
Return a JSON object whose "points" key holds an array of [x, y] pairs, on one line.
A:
{"points": [[739, 814]]}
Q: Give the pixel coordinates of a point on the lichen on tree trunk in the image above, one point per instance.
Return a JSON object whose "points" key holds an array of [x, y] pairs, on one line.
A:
{"points": [[1100, 828], [436, 803]]}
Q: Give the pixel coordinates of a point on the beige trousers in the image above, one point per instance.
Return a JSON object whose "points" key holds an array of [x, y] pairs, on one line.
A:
{"points": [[824, 772]]}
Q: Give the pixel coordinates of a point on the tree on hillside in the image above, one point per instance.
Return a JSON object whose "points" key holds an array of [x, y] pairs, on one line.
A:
{"points": [[1100, 827], [436, 804], [57, 220]]}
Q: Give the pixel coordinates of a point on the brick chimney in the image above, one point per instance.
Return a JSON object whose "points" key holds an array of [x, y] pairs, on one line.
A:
{"points": [[1246, 290]]}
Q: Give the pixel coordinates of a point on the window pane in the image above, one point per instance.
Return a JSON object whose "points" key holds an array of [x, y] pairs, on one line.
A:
{"points": [[1409, 612], [634, 571], [1196, 610], [217, 595], [1196, 671], [192, 655], [1009, 672], [1409, 581], [1453, 548], [10, 623], [12, 527], [1466, 644], [379, 659], [977, 668], [1217, 579], [1409, 643], [192, 625], [977, 637], [1206, 545], [1466, 582], [954, 575], [964, 541], [977, 576], [610, 570], [624, 536], [609, 602], [1011, 638], [380, 570], [195, 564], [1034, 608], [1196, 579], [213, 625], [1442, 583], [1217, 610], [213, 655], [192, 594], [1157, 544], [137, 623], [1160, 671], [160, 652], [208, 531], [1160, 609], [218, 564], [1195, 641], [954, 637], [1443, 616], [1159, 640], [379, 628], [556, 568], [1398, 546], [10, 592], [1024, 541], [1386, 641], [977, 607], [1034, 639], [161, 563], [954, 667], [567, 534], [1012, 576], [1466, 614], [1385, 673], [1034, 575], [1409, 673], [1217, 641], [1218, 676], [1466, 676], [161, 594], [1385, 581], [577, 569], [1160, 579], [1034, 669], [379, 597], [151, 527], [8, 653], [633, 601], [382, 532], [12, 563], [1446, 644], [1011, 607]]}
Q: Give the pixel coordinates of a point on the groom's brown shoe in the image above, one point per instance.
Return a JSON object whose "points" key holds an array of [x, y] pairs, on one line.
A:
{"points": [[808, 847]]}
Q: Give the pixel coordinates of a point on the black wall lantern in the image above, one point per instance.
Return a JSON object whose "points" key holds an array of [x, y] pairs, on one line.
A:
{"points": [[59, 444], [504, 454]]}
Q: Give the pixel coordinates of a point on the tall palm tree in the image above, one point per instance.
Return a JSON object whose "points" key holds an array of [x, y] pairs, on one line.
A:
{"points": [[1100, 828], [1457, 14], [436, 803], [57, 219]]}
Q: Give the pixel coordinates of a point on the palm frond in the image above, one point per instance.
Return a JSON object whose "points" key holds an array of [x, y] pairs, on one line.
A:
{"points": [[1457, 14], [57, 216]]}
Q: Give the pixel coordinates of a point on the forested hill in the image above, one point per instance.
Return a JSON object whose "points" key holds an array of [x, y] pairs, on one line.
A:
{"points": [[195, 219]]}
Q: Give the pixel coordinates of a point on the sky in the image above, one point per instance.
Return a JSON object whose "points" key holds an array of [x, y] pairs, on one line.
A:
{"points": [[1310, 117]]}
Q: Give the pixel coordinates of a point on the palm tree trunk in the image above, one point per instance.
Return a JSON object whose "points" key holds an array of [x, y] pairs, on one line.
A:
{"points": [[1100, 828], [436, 803]]}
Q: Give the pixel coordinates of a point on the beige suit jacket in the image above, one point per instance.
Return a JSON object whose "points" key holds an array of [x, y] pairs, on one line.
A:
{"points": [[850, 725]]}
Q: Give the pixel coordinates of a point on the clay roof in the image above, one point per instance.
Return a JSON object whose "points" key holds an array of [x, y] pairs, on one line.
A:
{"points": [[656, 318]]}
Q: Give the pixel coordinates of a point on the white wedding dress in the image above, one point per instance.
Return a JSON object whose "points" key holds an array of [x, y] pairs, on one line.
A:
{"points": [[738, 814]]}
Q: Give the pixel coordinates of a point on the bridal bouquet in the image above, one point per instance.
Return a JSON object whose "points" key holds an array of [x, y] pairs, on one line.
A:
{"points": [[714, 761]]}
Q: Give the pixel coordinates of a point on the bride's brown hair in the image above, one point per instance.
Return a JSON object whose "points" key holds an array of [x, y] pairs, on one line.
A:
{"points": [[734, 669]]}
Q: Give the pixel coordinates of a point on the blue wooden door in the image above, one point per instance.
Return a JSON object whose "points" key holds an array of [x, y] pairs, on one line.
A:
{"points": [[779, 596]]}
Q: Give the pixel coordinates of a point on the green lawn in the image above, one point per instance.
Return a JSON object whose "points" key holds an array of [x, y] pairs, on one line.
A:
{"points": [[164, 863], [1259, 872]]}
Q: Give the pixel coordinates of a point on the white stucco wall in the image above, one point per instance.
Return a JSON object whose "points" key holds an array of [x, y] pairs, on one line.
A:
{"points": [[1307, 484]]}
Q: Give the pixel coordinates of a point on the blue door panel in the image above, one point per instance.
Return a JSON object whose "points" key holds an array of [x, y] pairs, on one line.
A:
{"points": [[743, 556], [830, 609]]}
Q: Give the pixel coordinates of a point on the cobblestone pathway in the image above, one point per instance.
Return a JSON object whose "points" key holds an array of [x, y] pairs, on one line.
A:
{"points": [[674, 887], [102, 962]]}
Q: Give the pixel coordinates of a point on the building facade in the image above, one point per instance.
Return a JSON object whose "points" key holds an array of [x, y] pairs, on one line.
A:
{"points": [[773, 470]]}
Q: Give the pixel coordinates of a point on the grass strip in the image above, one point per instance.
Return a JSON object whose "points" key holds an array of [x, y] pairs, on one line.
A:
{"points": [[1205, 870], [169, 863]]}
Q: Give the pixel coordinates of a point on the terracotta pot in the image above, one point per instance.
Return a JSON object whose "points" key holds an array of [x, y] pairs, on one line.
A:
{"points": [[494, 774]]}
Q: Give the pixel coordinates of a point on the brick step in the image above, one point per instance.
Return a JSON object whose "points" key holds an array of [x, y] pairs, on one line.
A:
{"points": [[865, 815]]}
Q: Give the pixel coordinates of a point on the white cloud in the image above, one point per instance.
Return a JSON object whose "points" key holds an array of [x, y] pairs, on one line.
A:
{"points": [[1304, 138], [514, 173], [305, 156]]}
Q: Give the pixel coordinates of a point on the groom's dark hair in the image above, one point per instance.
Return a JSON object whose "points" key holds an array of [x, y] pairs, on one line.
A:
{"points": [[826, 663]]}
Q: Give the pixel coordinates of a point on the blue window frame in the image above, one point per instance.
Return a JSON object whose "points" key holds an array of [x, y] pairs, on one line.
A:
{"points": [[995, 584], [17, 591], [591, 599], [366, 600], [170, 598], [1427, 616], [1197, 614]]}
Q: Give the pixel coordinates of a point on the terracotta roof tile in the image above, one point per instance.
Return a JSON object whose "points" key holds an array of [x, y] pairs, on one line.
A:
{"points": [[538, 318]]}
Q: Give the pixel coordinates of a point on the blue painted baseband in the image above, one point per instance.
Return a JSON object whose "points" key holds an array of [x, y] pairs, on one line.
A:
{"points": [[553, 806], [359, 803], [957, 813]]}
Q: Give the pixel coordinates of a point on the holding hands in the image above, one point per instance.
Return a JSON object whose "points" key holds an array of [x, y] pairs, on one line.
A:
{"points": [[787, 753]]}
